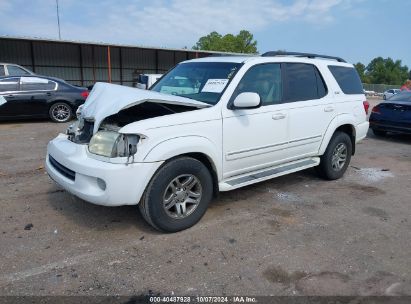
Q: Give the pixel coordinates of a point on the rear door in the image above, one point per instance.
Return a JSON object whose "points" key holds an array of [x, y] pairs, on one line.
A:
{"points": [[34, 93], [311, 108]]}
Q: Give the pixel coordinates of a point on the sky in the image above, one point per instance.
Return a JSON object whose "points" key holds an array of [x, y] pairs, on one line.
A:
{"points": [[356, 30]]}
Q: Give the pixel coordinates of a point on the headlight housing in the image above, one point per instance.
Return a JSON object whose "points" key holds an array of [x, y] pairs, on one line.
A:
{"points": [[113, 144]]}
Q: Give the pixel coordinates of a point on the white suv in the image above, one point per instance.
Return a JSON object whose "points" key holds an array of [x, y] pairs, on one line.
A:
{"points": [[211, 124]]}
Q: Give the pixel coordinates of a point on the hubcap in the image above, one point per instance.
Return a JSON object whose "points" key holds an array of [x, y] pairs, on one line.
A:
{"points": [[182, 196], [339, 157], [61, 112]]}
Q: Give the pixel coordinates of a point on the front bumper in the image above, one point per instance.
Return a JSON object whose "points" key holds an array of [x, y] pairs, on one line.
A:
{"points": [[95, 181]]}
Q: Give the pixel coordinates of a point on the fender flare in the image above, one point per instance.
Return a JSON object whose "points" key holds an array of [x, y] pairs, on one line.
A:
{"points": [[177, 146], [338, 121]]}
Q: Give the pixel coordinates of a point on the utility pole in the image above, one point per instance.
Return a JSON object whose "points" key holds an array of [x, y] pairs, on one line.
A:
{"points": [[58, 18]]}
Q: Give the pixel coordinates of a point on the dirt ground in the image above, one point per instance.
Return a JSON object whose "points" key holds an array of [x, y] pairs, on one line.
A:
{"points": [[294, 235]]}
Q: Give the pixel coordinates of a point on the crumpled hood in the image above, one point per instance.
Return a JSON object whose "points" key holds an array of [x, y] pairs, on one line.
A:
{"points": [[106, 99]]}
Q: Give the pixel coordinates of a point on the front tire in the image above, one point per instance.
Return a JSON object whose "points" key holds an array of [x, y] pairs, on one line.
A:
{"points": [[336, 158], [178, 195], [60, 112]]}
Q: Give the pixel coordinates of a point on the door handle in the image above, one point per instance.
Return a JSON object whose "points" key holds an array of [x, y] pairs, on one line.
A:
{"points": [[10, 96], [48, 94], [278, 116], [328, 109]]}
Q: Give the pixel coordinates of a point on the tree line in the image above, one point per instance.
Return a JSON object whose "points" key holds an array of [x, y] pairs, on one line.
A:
{"points": [[378, 71], [383, 71]]}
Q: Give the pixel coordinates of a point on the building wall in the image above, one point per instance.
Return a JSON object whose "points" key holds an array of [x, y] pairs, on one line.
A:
{"points": [[84, 64]]}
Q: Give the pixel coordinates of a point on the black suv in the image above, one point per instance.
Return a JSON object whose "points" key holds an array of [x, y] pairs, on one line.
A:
{"points": [[35, 96]]}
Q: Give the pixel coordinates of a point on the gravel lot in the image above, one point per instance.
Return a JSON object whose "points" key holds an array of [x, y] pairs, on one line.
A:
{"points": [[294, 235]]}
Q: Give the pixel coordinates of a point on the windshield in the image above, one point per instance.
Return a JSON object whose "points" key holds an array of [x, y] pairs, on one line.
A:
{"points": [[202, 81], [403, 96]]}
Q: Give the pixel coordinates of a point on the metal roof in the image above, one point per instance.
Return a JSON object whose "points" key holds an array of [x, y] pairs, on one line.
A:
{"points": [[41, 39]]}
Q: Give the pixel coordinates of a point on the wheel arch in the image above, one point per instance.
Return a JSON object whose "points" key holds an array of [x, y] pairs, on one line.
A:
{"points": [[199, 148], [342, 124]]}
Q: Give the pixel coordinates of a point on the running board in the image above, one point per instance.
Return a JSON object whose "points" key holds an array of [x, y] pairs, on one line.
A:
{"points": [[268, 173]]}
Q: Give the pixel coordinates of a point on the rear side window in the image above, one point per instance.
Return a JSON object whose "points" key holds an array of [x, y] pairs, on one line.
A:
{"points": [[16, 71], [348, 79], [2, 72], [303, 82], [37, 84]]}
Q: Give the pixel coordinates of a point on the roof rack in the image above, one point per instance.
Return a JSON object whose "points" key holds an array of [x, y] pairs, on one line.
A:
{"points": [[308, 55]]}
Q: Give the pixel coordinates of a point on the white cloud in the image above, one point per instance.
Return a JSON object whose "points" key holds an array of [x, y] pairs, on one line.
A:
{"points": [[174, 23]]}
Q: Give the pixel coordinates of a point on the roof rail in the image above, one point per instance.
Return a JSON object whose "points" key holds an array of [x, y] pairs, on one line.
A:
{"points": [[308, 55]]}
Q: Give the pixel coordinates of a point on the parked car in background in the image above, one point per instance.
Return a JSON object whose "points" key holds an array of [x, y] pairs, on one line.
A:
{"points": [[393, 115], [387, 94], [145, 81], [211, 124], [36, 96], [10, 69]]}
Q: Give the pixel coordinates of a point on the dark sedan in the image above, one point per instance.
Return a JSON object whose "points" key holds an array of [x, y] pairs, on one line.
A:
{"points": [[393, 115], [36, 96]]}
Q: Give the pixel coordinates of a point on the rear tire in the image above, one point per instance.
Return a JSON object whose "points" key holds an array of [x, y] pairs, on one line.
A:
{"points": [[178, 195], [336, 158], [60, 112], [379, 132]]}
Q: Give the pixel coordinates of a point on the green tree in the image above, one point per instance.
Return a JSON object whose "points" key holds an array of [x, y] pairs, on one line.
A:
{"points": [[387, 71], [243, 42], [361, 69]]}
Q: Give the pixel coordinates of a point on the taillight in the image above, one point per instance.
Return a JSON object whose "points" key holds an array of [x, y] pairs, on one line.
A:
{"points": [[366, 106], [376, 110], [84, 94]]}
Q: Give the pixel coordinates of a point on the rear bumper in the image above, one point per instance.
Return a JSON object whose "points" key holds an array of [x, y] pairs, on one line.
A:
{"points": [[361, 131], [98, 182]]}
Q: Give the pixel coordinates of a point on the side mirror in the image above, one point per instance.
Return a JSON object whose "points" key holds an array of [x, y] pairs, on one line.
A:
{"points": [[247, 100]]}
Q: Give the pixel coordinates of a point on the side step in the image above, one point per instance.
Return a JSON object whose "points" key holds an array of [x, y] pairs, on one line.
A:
{"points": [[268, 173]]}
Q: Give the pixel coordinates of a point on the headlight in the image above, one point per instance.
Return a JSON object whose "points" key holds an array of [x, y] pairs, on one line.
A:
{"points": [[113, 144]]}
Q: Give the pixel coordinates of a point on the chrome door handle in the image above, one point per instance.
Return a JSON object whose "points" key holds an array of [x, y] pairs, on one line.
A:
{"points": [[278, 116], [328, 109]]}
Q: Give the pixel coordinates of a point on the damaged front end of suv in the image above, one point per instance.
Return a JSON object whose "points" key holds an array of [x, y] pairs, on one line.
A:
{"points": [[99, 125], [110, 129]]}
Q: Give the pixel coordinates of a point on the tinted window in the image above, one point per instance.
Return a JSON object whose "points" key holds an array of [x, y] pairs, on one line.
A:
{"points": [[265, 80], [348, 79], [36, 84], [303, 82], [2, 72], [9, 84], [16, 71]]}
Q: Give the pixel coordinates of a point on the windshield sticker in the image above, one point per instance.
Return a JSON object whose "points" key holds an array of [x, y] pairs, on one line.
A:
{"points": [[215, 85]]}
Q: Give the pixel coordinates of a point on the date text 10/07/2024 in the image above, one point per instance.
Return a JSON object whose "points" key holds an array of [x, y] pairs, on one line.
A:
{"points": [[200, 299]]}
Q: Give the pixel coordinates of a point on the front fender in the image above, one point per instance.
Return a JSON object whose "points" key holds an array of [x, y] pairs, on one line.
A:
{"points": [[184, 145], [339, 120]]}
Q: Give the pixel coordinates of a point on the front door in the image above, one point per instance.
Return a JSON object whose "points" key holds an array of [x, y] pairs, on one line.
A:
{"points": [[255, 139]]}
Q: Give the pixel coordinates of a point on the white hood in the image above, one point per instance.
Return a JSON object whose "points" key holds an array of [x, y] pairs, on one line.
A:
{"points": [[107, 99]]}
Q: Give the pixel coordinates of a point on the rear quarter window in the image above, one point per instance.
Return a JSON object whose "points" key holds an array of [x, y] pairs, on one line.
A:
{"points": [[347, 78]]}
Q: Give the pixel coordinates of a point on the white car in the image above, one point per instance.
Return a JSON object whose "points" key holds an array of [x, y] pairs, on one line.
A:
{"points": [[389, 93], [211, 124]]}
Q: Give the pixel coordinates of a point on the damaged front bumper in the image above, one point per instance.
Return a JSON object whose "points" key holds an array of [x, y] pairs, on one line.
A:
{"points": [[95, 181]]}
